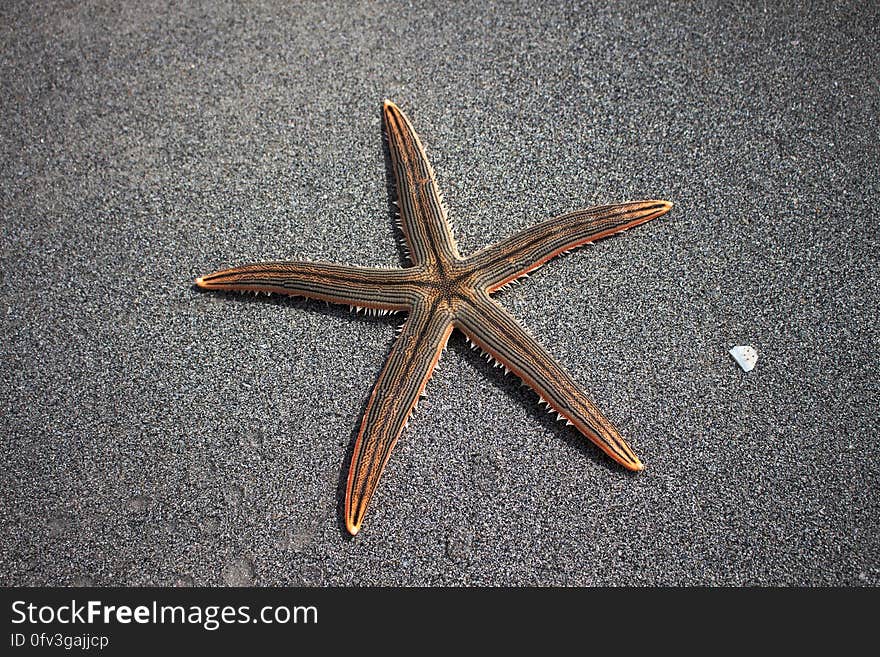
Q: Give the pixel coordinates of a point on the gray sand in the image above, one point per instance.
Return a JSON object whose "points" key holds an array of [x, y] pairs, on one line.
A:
{"points": [[152, 434]]}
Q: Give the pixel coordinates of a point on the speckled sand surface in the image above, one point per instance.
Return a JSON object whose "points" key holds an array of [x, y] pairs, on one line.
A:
{"points": [[152, 434]]}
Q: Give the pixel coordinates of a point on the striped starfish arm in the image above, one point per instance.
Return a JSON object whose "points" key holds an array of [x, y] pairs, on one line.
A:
{"points": [[422, 216], [519, 254], [409, 366], [497, 333], [384, 289]]}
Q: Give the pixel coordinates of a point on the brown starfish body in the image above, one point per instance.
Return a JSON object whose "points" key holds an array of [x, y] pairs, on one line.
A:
{"points": [[440, 292]]}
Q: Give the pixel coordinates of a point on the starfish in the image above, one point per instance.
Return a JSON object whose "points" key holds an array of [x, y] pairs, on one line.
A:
{"points": [[442, 291]]}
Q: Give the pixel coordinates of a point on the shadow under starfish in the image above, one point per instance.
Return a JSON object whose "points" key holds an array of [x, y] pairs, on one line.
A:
{"points": [[440, 292]]}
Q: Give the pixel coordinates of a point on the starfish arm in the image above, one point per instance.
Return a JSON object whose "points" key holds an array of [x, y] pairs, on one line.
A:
{"points": [[497, 333], [422, 215], [383, 289], [501, 263], [406, 372]]}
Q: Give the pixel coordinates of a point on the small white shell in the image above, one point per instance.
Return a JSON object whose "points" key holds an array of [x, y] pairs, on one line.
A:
{"points": [[745, 356]]}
